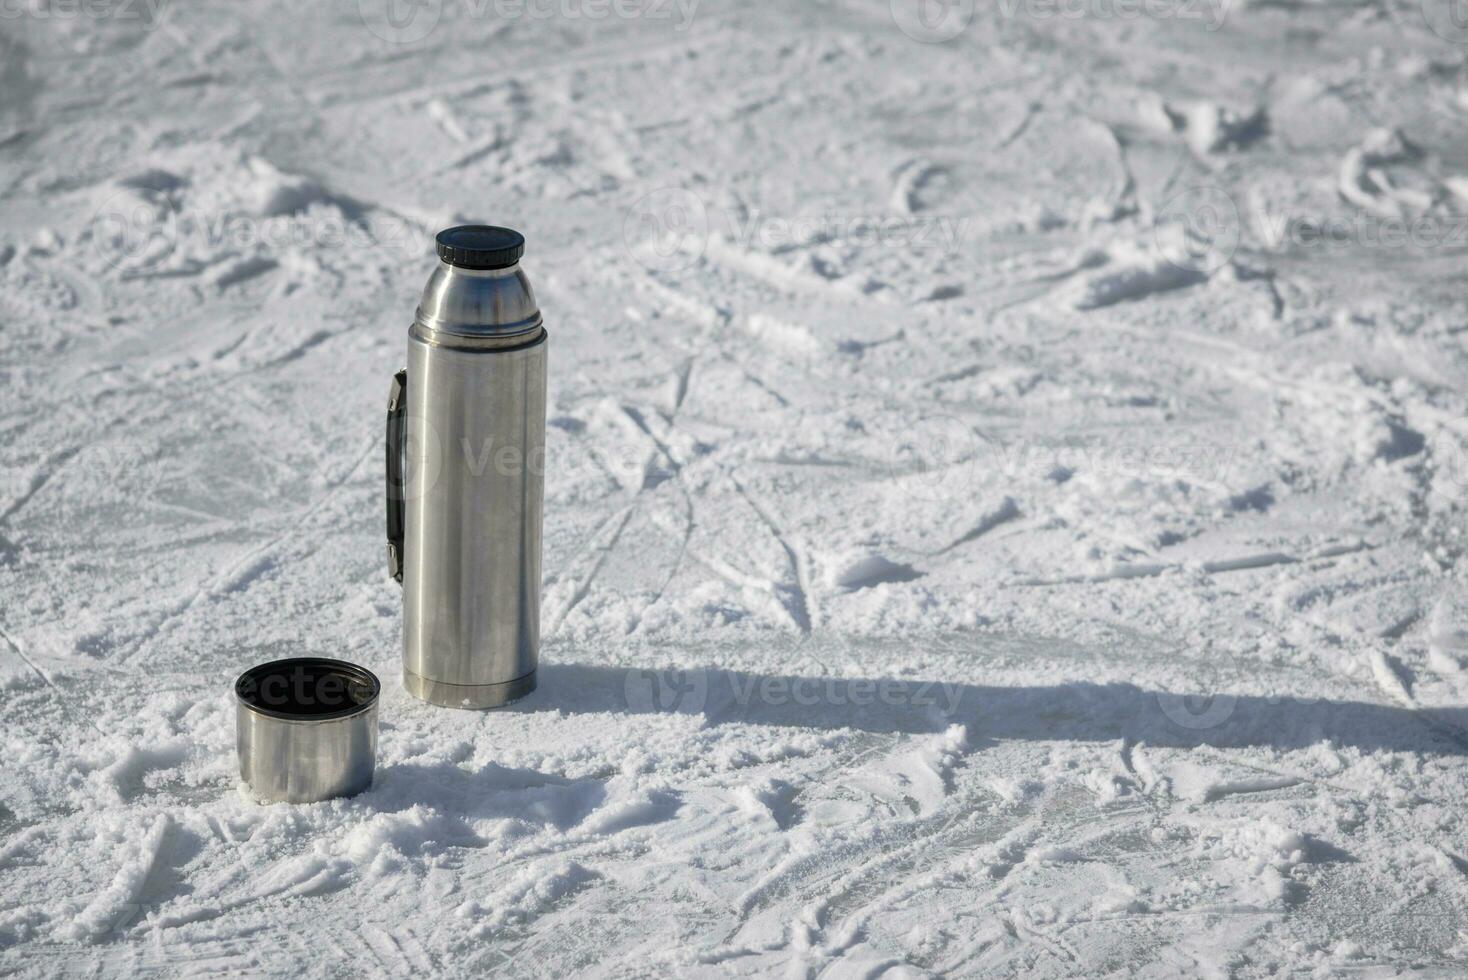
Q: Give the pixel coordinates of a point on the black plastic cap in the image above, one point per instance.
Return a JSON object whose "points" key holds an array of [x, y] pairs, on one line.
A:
{"points": [[480, 247]]}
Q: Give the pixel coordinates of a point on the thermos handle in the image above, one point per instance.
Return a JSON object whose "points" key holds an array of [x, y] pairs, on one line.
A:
{"points": [[397, 404]]}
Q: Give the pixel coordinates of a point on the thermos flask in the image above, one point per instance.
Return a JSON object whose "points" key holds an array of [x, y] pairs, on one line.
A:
{"points": [[466, 475]]}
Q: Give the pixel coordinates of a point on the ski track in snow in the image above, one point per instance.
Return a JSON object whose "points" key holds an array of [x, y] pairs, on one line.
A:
{"points": [[997, 522]]}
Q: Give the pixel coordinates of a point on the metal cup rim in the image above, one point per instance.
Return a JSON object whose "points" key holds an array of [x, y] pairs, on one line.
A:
{"points": [[356, 671]]}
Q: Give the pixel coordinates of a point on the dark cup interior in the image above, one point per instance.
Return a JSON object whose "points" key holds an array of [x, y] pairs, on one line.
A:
{"points": [[307, 689]]}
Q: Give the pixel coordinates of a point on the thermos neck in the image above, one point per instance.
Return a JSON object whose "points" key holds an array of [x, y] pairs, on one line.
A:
{"points": [[492, 304]]}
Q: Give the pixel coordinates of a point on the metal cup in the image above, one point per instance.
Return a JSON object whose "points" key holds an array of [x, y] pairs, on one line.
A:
{"points": [[306, 729]]}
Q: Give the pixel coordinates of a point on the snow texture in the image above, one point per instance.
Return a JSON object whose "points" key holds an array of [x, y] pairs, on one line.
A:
{"points": [[1004, 513]]}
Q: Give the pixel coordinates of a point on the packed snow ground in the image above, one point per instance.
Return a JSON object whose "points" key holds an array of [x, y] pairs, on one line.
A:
{"points": [[1004, 511]]}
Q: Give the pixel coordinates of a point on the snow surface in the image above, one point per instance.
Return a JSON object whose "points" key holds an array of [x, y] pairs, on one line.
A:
{"points": [[1004, 514]]}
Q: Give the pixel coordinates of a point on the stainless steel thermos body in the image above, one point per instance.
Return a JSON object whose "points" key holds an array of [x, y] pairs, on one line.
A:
{"points": [[466, 430]]}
